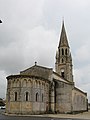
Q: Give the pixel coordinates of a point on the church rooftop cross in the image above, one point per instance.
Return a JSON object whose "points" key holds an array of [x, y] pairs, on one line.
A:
{"points": [[35, 63]]}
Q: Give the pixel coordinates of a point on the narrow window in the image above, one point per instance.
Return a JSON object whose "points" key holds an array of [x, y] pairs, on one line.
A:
{"points": [[62, 51], [66, 51], [37, 97], [27, 96], [59, 52], [62, 74], [62, 60], [15, 96]]}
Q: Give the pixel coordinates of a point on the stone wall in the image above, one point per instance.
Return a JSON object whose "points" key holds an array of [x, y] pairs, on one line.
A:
{"points": [[32, 95], [79, 100], [63, 97]]}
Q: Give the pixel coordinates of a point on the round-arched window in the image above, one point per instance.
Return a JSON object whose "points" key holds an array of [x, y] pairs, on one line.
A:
{"points": [[62, 51]]}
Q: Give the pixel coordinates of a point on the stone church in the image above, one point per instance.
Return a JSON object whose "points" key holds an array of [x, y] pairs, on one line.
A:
{"points": [[39, 90]]}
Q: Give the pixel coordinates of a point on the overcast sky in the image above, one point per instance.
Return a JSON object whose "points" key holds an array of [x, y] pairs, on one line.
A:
{"points": [[30, 32]]}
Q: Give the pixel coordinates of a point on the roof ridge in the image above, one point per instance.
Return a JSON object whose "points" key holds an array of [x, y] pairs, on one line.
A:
{"points": [[36, 66]]}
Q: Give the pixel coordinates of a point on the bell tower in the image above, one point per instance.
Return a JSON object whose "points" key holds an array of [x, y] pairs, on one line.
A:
{"points": [[63, 65]]}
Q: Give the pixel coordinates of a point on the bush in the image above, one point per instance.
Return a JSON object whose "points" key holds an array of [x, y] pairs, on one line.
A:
{"points": [[2, 103]]}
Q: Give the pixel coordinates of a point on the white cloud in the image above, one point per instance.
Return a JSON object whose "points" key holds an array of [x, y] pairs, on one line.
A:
{"points": [[3, 84], [82, 53], [40, 46]]}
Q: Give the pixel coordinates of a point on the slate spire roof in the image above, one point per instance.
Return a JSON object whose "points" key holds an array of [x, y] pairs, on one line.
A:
{"points": [[63, 37]]}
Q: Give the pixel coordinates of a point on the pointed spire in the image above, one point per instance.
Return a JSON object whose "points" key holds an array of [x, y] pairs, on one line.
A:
{"points": [[63, 37]]}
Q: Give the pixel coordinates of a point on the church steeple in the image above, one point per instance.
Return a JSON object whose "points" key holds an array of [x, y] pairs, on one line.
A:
{"points": [[63, 57], [63, 37]]}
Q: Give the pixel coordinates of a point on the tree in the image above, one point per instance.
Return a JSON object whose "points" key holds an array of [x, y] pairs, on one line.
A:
{"points": [[2, 102], [0, 21]]}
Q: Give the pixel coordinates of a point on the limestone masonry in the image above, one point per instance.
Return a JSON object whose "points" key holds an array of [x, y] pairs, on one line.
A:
{"points": [[39, 89]]}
